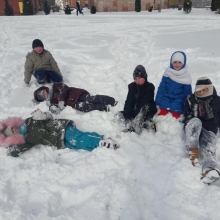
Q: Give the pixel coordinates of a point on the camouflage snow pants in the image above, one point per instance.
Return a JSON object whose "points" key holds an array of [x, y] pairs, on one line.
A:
{"points": [[205, 141]]}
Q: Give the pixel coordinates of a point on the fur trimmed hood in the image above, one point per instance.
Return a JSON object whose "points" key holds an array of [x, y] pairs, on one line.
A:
{"points": [[16, 139]]}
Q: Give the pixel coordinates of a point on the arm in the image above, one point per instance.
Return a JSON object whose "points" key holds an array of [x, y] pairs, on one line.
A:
{"points": [[28, 69], [129, 104], [188, 111], [54, 65], [61, 90], [16, 150], [161, 91]]}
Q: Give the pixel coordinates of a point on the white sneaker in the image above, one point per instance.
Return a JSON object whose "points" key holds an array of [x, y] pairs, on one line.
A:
{"points": [[210, 176]]}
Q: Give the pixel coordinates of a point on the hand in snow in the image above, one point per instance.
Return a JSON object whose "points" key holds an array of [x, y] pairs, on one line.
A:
{"points": [[61, 105], [26, 84], [54, 110]]}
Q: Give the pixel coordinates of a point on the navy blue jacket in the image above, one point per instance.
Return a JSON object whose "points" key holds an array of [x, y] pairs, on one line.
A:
{"points": [[137, 97]]}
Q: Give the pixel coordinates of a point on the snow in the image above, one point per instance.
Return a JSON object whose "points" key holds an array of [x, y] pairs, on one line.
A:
{"points": [[149, 176]]}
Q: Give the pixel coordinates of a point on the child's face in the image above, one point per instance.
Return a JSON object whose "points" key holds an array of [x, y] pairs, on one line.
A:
{"points": [[38, 50], [139, 81], [177, 65], [202, 92], [45, 94], [15, 130]]}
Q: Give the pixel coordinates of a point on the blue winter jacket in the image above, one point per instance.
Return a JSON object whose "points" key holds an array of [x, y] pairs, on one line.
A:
{"points": [[172, 95]]}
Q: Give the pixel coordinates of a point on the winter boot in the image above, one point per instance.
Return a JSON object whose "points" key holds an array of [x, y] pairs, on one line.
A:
{"points": [[150, 125], [109, 143], [210, 176], [193, 155]]}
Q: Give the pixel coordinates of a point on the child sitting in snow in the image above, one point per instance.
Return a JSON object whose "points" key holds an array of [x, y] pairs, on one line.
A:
{"points": [[61, 95], [139, 107], [41, 64], [202, 121], [174, 87], [41, 128]]}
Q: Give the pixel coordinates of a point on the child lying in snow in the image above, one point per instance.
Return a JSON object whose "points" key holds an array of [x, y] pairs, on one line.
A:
{"points": [[61, 95], [41, 128]]}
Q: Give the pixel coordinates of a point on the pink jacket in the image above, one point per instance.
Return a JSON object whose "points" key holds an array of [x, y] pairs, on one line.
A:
{"points": [[16, 139]]}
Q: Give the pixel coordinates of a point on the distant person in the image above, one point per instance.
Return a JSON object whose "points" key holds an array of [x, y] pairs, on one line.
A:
{"points": [[42, 65], [174, 87], [139, 107], [41, 129], [78, 8], [61, 95], [202, 122]]}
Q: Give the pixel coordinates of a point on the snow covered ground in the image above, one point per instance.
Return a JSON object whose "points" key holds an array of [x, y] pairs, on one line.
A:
{"points": [[149, 177]]}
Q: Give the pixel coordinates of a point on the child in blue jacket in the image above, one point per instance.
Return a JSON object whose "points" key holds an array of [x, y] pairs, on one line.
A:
{"points": [[174, 87]]}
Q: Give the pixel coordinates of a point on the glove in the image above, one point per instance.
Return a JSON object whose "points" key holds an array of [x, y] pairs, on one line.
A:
{"points": [[61, 105], [127, 123], [26, 84], [54, 110]]}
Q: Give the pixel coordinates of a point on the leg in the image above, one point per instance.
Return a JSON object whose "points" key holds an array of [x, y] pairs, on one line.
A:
{"points": [[144, 117], [192, 131], [54, 77], [175, 114], [102, 99], [45, 76], [87, 107], [41, 76], [163, 112], [76, 139], [207, 154]]}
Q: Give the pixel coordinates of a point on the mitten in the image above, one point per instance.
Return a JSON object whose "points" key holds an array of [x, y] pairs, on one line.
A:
{"points": [[61, 105], [26, 84], [54, 110]]}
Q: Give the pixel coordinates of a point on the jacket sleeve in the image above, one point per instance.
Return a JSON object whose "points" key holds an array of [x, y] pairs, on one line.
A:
{"points": [[61, 90], [16, 150], [28, 69], [188, 111], [129, 104], [187, 90], [160, 92], [54, 65]]}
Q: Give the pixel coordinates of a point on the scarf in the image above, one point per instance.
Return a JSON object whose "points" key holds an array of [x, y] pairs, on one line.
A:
{"points": [[182, 76], [204, 109]]}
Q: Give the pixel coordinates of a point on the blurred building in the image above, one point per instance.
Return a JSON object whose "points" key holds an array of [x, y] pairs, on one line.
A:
{"points": [[201, 3], [117, 5], [17, 6]]}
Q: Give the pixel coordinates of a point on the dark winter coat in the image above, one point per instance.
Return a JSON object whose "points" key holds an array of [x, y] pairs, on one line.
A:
{"points": [[62, 92], [137, 97], [211, 124]]}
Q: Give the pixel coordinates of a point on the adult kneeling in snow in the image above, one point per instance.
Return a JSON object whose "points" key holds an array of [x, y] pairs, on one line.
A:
{"points": [[41, 128], [202, 115]]}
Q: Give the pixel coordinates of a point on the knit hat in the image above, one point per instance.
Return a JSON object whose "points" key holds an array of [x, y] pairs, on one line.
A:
{"points": [[8, 131], [140, 71], [203, 83], [37, 43], [178, 56], [38, 93]]}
